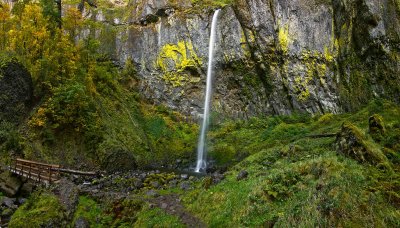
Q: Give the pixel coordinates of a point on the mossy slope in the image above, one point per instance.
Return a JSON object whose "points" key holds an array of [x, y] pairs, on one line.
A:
{"points": [[295, 180]]}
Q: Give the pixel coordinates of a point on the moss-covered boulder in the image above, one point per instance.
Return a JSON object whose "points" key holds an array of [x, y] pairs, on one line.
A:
{"points": [[16, 90], [376, 127], [353, 143], [42, 209], [9, 184], [118, 159], [68, 195]]}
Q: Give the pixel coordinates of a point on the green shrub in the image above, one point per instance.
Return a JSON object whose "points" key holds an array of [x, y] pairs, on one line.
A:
{"points": [[223, 153], [169, 136]]}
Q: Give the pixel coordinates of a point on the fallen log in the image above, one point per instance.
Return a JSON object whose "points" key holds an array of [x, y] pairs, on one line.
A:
{"points": [[77, 172], [326, 135]]}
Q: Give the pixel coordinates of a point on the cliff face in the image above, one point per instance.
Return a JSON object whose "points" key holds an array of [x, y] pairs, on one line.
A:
{"points": [[272, 56]]}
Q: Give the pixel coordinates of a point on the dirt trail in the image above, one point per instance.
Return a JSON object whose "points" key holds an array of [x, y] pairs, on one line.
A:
{"points": [[171, 205]]}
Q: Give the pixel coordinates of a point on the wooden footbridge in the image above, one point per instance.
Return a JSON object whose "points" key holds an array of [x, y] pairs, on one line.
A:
{"points": [[41, 172]]}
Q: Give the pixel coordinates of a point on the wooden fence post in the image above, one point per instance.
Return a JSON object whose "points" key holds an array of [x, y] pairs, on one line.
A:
{"points": [[30, 170]]}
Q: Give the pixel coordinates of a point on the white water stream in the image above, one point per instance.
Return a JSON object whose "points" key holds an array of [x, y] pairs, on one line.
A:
{"points": [[201, 148]]}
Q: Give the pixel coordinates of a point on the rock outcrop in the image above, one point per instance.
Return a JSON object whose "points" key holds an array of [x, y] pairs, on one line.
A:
{"points": [[9, 184], [273, 56], [352, 142]]}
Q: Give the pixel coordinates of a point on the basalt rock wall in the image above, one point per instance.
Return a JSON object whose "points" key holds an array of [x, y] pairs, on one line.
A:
{"points": [[272, 56]]}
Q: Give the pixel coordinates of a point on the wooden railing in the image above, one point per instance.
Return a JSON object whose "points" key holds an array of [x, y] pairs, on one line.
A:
{"points": [[40, 172]]}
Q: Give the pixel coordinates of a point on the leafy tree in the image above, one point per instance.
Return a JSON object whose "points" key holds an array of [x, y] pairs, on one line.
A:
{"points": [[52, 11], [4, 23], [73, 21], [19, 7], [59, 63], [30, 38]]}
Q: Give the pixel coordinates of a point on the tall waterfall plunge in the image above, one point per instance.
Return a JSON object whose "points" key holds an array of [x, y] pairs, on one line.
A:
{"points": [[201, 148]]}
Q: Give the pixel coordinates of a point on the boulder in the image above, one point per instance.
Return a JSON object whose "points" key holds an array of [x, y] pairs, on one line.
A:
{"points": [[68, 194], [185, 186], [152, 193], [173, 183], [27, 188], [118, 159], [155, 184], [217, 177], [242, 175], [138, 183], [184, 176], [81, 223], [353, 143], [9, 184], [8, 202]]}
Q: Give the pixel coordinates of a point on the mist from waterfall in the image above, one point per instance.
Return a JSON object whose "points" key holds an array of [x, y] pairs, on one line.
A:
{"points": [[201, 148]]}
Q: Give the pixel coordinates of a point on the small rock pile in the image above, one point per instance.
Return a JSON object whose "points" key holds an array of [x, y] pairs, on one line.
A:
{"points": [[15, 192]]}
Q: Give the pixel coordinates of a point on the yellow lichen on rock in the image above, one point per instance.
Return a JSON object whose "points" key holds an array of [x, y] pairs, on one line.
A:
{"points": [[283, 38], [176, 58]]}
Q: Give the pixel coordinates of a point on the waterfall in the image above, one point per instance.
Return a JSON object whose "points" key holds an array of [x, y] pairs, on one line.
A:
{"points": [[201, 148], [158, 27]]}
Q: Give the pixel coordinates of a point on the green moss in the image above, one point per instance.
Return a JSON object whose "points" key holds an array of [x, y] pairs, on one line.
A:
{"points": [[299, 181], [171, 135], [92, 212], [326, 118], [162, 179], [212, 3], [41, 209], [155, 217]]}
